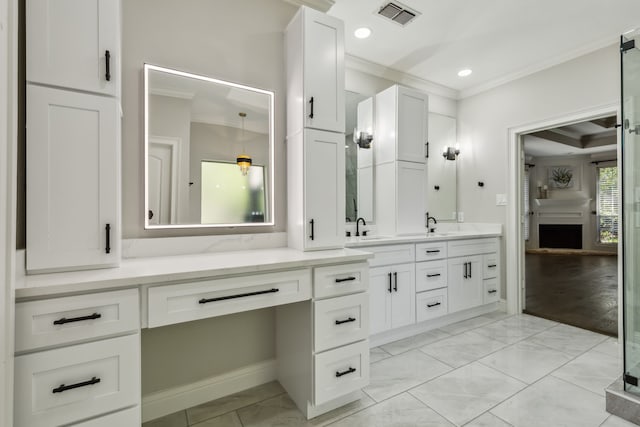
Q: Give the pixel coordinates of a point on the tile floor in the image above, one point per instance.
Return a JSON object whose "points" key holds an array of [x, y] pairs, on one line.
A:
{"points": [[493, 370]]}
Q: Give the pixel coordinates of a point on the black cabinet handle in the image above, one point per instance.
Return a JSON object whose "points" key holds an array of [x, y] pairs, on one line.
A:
{"points": [[469, 270], [433, 251], [493, 291], [248, 294], [107, 57], [492, 265], [434, 305], [62, 387], [395, 279], [349, 319], [346, 279], [348, 371], [311, 113], [107, 246], [390, 290], [312, 222], [464, 274], [64, 320], [433, 275]]}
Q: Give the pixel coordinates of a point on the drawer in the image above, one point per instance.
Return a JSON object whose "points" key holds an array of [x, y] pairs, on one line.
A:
{"points": [[51, 322], [341, 371], [340, 279], [58, 387], [339, 321], [184, 302], [391, 254], [491, 265], [431, 275], [456, 248], [491, 291], [128, 417], [431, 250], [431, 304]]}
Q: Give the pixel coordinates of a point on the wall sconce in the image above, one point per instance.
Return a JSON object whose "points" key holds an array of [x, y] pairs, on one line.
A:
{"points": [[362, 138], [450, 153]]}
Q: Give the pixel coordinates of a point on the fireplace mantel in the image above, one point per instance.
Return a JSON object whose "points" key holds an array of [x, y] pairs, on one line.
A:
{"points": [[561, 202]]}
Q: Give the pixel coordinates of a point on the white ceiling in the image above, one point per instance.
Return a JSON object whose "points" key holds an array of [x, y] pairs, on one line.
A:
{"points": [[499, 40]]}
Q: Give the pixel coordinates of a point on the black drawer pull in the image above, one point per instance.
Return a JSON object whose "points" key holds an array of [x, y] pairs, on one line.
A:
{"points": [[493, 291], [350, 319], [433, 275], [107, 247], [435, 251], [434, 304], [311, 113], [107, 58], [248, 294], [492, 265], [77, 319], [63, 387], [348, 371], [346, 279]]}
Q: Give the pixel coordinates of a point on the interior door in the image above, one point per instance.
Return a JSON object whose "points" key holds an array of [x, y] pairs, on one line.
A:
{"points": [[160, 184]]}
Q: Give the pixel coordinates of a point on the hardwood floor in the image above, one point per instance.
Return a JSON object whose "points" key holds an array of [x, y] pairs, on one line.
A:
{"points": [[579, 290]]}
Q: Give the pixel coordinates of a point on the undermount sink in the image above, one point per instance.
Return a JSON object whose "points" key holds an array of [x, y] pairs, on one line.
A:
{"points": [[372, 237]]}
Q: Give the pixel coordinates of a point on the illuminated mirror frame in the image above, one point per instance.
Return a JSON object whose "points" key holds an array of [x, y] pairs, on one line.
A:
{"points": [[270, 199]]}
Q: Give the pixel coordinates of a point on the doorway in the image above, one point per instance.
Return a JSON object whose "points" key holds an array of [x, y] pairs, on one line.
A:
{"points": [[571, 199]]}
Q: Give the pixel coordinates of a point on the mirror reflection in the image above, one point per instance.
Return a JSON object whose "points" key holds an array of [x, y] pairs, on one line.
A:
{"points": [[208, 151], [441, 168]]}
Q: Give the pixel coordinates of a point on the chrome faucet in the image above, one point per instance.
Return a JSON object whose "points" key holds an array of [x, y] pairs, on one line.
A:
{"points": [[429, 218], [358, 226]]}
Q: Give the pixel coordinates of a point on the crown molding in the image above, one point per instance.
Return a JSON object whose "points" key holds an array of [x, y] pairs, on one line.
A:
{"points": [[375, 69], [321, 5]]}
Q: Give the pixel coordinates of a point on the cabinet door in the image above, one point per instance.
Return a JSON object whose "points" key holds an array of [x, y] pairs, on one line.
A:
{"points": [[73, 180], [403, 297], [413, 109], [411, 185], [324, 192], [380, 291], [68, 41], [323, 72], [465, 283]]}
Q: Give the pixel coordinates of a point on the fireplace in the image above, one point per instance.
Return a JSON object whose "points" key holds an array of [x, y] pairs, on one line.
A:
{"points": [[567, 236]]}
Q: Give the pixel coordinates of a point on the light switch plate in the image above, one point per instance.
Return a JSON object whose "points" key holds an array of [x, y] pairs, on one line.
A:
{"points": [[501, 199], [460, 216]]}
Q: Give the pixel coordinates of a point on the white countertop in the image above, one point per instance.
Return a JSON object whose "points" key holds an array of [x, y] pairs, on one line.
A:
{"points": [[143, 271], [355, 242]]}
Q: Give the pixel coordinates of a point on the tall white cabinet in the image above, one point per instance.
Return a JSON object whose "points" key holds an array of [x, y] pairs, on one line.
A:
{"points": [[315, 131], [73, 134], [400, 156]]}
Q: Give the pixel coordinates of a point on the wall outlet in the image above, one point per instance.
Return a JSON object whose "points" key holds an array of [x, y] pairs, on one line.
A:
{"points": [[501, 199], [460, 216]]}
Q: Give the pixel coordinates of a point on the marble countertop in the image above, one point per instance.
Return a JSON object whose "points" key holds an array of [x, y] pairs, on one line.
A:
{"points": [[153, 270], [354, 242]]}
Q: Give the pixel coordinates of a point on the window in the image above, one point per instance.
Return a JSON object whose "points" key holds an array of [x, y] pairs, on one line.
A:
{"points": [[608, 202], [228, 197]]}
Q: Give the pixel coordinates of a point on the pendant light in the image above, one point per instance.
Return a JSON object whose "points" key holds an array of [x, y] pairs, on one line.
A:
{"points": [[243, 160]]}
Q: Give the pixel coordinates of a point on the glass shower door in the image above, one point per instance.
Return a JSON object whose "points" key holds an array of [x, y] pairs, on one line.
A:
{"points": [[630, 68]]}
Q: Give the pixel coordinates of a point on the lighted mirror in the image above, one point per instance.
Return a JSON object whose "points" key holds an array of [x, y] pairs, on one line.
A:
{"points": [[358, 157], [208, 151], [442, 188]]}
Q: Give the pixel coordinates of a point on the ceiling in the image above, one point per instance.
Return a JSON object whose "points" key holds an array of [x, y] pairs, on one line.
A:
{"points": [[500, 40], [588, 137]]}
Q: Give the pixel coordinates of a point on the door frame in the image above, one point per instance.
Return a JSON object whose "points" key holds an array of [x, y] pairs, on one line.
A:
{"points": [[514, 242]]}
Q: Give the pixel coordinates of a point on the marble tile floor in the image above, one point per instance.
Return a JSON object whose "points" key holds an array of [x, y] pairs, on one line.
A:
{"points": [[494, 370]]}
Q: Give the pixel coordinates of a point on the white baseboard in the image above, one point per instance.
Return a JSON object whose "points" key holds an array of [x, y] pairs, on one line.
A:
{"points": [[165, 402], [407, 331]]}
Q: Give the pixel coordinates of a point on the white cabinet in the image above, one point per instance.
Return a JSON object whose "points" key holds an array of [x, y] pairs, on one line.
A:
{"points": [[74, 44], [392, 291], [401, 125], [465, 283], [315, 131], [73, 134], [315, 72], [73, 180]]}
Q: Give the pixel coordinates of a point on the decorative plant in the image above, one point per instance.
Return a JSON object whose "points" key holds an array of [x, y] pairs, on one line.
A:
{"points": [[562, 177]]}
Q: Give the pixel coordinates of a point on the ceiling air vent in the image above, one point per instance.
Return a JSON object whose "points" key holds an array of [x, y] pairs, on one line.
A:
{"points": [[398, 13]]}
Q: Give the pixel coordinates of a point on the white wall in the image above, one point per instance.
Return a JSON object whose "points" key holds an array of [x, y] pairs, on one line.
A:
{"points": [[241, 42], [484, 119]]}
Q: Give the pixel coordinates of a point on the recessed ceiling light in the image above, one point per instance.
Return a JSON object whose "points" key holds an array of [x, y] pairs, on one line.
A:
{"points": [[362, 33], [464, 73]]}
